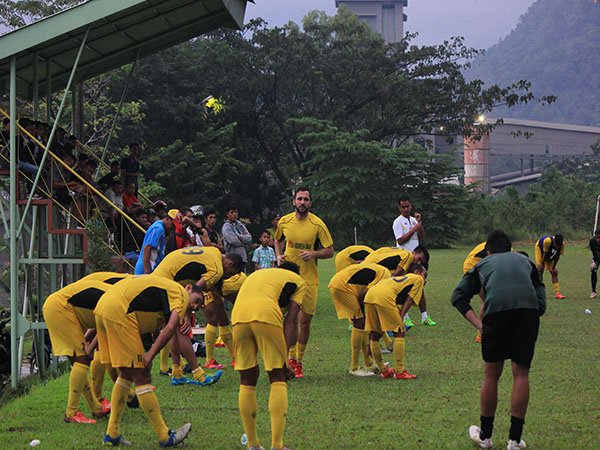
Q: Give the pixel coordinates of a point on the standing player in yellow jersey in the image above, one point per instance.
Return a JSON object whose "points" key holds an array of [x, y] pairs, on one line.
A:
{"points": [[548, 250], [353, 254], [129, 309], [259, 327], [385, 304], [205, 267], [348, 288], [68, 313], [306, 239]]}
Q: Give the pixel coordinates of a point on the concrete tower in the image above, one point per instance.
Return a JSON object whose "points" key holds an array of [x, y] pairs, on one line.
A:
{"points": [[384, 16]]}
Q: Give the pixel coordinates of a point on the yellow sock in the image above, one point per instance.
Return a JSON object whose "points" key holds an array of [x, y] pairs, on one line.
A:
{"points": [[90, 397], [227, 337], [399, 350], [118, 398], [387, 341], [97, 371], [150, 406], [210, 337], [377, 356], [77, 379], [248, 410], [300, 349], [556, 287], [177, 371], [278, 406], [164, 359], [364, 345], [199, 374], [292, 352], [356, 339]]}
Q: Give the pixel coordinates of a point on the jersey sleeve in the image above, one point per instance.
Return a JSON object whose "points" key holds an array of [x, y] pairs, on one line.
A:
{"points": [[298, 295], [154, 236], [416, 293], [324, 236]]}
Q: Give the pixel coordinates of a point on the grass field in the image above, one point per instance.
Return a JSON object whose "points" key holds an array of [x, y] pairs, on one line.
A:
{"points": [[331, 410]]}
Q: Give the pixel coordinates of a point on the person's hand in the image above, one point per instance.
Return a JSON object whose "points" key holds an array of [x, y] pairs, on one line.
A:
{"points": [[147, 361], [307, 255], [418, 217], [280, 259], [594, 265], [89, 349], [185, 327]]}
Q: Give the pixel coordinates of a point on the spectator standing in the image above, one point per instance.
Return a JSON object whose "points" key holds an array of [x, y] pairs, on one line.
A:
{"points": [[408, 230], [595, 248], [215, 238], [235, 235], [263, 256], [130, 167], [133, 237], [114, 175], [153, 246]]}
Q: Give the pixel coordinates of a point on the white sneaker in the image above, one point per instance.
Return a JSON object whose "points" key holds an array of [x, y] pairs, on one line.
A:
{"points": [[474, 431], [361, 373], [514, 445], [593, 295]]}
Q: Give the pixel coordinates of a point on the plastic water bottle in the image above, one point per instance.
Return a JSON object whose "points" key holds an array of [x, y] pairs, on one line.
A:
{"points": [[244, 439]]}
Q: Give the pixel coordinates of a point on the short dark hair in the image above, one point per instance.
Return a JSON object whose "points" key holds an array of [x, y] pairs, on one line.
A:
{"points": [[210, 211], [231, 208], [5, 121], [404, 198], [498, 242], [133, 144], [115, 182], [265, 231], [238, 263], [305, 189], [416, 267], [292, 267], [558, 239], [139, 211], [82, 157], [597, 232], [423, 249]]}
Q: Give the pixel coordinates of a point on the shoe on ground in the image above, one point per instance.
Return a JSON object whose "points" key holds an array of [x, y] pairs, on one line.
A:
{"points": [[256, 448], [134, 402], [105, 411], [404, 375], [386, 351], [559, 296], [298, 370], [478, 338], [361, 373], [115, 442], [387, 373], [593, 295], [373, 368], [213, 364], [474, 434], [514, 445], [428, 322], [177, 436], [78, 417], [408, 323], [165, 372], [233, 364], [208, 380], [178, 381], [292, 362]]}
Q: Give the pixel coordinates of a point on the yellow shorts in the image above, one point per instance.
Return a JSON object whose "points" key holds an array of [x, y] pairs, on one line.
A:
{"points": [[66, 332], [120, 345], [538, 259], [346, 304], [309, 304], [381, 319], [252, 338]]}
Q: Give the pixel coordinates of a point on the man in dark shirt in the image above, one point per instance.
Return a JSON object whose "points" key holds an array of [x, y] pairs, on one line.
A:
{"points": [[595, 248], [130, 167], [515, 298], [211, 229], [107, 180]]}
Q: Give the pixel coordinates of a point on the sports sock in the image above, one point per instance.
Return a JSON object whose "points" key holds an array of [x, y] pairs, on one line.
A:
{"points": [[594, 280], [356, 339], [278, 406], [199, 374], [387, 340], [210, 337], [150, 406], [77, 379], [117, 405], [177, 371], [516, 428], [226, 336], [377, 356], [90, 397], [487, 427], [248, 406], [300, 349], [556, 287], [364, 345], [292, 352], [164, 359], [399, 350], [424, 315], [97, 371]]}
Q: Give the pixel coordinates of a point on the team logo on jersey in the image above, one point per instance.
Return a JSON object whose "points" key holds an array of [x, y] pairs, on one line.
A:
{"points": [[299, 245]]}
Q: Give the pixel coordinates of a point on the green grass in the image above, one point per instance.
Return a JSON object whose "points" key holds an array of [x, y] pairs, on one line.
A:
{"points": [[330, 410]]}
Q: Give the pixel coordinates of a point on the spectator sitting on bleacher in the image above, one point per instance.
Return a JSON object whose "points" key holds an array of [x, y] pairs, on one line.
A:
{"points": [[61, 184], [130, 167], [114, 194], [27, 149], [107, 180], [133, 237], [130, 200]]}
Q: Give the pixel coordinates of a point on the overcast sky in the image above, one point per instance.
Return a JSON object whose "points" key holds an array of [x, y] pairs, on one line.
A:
{"points": [[481, 22]]}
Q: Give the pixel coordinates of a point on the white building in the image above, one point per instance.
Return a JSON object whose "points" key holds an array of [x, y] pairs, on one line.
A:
{"points": [[384, 16]]}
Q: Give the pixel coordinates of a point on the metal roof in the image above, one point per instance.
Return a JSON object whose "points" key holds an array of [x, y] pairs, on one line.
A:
{"points": [[119, 31]]}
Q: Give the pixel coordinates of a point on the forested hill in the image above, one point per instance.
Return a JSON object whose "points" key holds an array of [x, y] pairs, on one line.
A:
{"points": [[556, 46]]}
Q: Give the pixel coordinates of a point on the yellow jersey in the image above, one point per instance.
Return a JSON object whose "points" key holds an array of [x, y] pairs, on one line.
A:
{"points": [[309, 233], [260, 296], [82, 296], [233, 284], [106, 277], [150, 298], [351, 255], [192, 263], [357, 277], [476, 255], [391, 257], [392, 292]]}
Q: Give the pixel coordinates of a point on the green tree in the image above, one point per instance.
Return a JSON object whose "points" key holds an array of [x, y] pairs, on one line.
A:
{"points": [[17, 13]]}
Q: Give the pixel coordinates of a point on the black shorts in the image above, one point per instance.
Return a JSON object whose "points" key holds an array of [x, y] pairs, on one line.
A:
{"points": [[510, 335]]}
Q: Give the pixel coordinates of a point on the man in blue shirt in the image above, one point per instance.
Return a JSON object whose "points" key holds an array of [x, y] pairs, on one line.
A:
{"points": [[153, 247]]}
